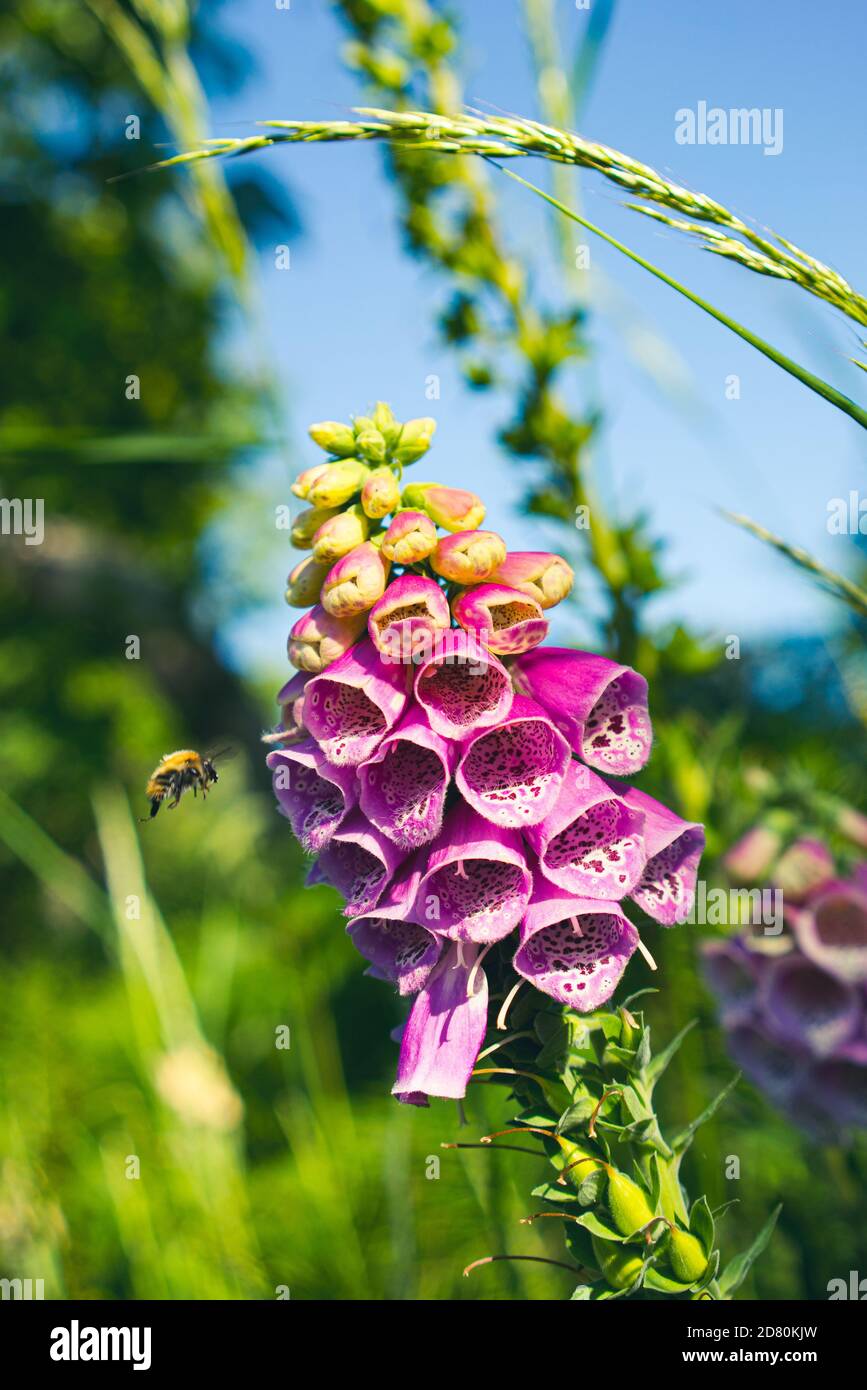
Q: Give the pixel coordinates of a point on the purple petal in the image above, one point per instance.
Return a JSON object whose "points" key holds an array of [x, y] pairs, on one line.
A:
{"points": [[842, 1088], [733, 974], [403, 786], [774, 1067], [666, 890], [352, 705], [832, 930], [312, 793], [477, 883], [398, 949], [444, 1031], [462, 686], [575, 949], [591, 843], [600, 706], [513, 774], [359, 863], [806, 1005]]}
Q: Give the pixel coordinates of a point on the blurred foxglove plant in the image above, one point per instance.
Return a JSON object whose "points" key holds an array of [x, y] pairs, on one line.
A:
{"points": [[794, 1003]]}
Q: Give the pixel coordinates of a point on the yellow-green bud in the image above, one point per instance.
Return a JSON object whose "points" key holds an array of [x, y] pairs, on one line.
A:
{"points": [[621, 1264], [415, 439], [338, 483], [333, 437], [380, 494], [307, 523], [627, 1203], [385, 422], [685, 1255], [305, 583], [304, 482], [371, 445], [342, 532]]}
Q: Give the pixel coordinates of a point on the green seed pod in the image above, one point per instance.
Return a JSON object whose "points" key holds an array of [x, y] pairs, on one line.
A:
{"points": [[574, 1153], [627, 1203], [371, 444], [621, 1264], [685, 1255], [415, 438], [333, 437]]}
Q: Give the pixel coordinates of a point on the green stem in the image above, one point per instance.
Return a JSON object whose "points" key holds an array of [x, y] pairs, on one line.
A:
{"points": [[815, 383]]}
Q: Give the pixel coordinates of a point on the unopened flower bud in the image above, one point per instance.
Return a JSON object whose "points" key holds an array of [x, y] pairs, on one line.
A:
{"points": [[385, 422], [450, 507], [338, 483], [380, 494], [353, 585], [318, 638], [505, 621], [370, 444], [304, 482], [333, 437], [307, 523], [751, 857], [853, 825], [305, 583], [468, 557], [540, 575], [411, 537], [803, 867], [342, 532], [414, 440]]}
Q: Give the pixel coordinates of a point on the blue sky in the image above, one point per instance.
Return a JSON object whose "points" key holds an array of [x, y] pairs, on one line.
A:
{"points": [[353, 320]]}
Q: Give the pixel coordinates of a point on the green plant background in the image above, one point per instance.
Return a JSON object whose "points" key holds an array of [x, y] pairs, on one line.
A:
{"points": [[264, 1168]]}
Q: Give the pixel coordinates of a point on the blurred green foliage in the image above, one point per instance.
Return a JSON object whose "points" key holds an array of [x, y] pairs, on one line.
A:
{"points": [[147, 973]]}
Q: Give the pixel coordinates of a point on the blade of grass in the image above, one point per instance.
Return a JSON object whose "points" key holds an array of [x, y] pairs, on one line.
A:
{"points": [[815, 383], [837, 584]]}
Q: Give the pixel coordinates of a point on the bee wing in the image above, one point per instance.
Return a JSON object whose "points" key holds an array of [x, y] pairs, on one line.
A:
{"points": [[224, 754]]}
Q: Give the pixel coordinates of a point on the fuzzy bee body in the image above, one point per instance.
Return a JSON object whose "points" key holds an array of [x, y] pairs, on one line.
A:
{"points": [[175, 774]]}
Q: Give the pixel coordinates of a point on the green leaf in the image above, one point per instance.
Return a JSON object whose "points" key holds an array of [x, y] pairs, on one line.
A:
{"points": [[710, 1273], [642, 1056], [582, 1293], [591, 1188], [701, 1224], [659, 1063], [681, 1142], [552, 1192], [737, 1269], [592, 1223], [575, 1115], [663, 1283]]}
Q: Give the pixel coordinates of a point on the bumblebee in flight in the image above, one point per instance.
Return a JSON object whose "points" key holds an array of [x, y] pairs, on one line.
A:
{"points": [[176, 773]]}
